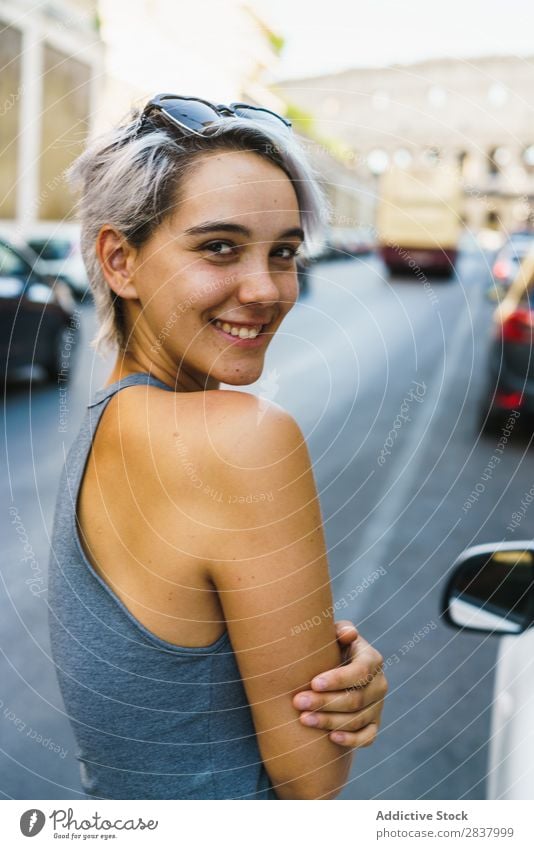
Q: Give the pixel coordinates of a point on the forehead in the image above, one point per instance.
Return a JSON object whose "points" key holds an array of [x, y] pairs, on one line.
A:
{"points": [[238, 185]]}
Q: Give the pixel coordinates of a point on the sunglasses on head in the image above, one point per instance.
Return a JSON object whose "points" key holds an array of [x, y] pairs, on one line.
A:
{"points": [[193, 115]]}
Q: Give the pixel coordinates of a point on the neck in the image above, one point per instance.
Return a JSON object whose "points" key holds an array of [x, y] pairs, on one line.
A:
{"points": [[180, 380]]}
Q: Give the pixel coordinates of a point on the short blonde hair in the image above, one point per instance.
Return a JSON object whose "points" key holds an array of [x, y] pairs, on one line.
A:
{"points": [[131, 180]]}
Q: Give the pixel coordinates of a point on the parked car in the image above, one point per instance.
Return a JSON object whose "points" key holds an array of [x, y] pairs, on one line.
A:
{"points": [[345, 242], [37, 316], [58, 249], [337, 243], [509, 258], [351, 241], [510, 382], [491, 590]]}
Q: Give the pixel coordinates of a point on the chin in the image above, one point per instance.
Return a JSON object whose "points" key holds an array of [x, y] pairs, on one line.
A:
{"points": [[240, 380], [243, 377]]}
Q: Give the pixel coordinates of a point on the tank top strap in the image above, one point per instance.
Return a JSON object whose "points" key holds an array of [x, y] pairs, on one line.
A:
{"points": [[139, 378]]}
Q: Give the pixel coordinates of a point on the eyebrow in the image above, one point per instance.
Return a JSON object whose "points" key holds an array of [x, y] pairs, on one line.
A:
{"points": [[228, 227]]}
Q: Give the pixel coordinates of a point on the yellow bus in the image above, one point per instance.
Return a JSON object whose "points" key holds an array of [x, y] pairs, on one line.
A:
{"points": [[419, 218]]}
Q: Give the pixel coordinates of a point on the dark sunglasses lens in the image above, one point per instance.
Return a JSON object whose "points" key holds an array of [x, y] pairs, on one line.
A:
{"points": [[191, 113], [260, 115]]}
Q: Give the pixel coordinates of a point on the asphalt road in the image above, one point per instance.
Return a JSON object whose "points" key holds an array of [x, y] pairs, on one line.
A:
{"points": [[384, 377]]}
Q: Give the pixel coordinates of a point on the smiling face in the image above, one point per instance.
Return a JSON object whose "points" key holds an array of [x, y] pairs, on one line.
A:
{"points": [[216, 279]]}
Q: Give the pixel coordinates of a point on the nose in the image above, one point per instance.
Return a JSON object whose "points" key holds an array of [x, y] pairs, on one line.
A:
{"points": [[258, 285]]}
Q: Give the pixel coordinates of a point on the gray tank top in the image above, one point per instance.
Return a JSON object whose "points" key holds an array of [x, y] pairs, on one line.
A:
{"points": [[152, 720]]}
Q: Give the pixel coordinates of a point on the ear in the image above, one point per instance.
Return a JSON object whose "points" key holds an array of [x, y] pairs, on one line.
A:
{"points": [[117, 260]]}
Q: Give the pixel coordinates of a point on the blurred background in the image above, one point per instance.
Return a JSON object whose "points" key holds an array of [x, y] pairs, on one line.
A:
{"points": [[414, 316]]}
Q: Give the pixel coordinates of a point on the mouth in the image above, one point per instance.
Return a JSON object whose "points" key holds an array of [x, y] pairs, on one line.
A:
{"points": [[243, 335]]}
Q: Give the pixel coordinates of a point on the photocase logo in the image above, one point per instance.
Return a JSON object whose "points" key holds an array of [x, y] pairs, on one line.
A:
{"points": [[31, 822]]}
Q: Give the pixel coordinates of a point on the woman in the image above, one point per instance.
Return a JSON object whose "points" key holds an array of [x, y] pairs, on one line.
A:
{"points": [[188, 556]]}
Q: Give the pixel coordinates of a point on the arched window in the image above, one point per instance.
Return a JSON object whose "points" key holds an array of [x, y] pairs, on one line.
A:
{"points": [[377, 161], [492, 220], [402, 157], [432, 156], [463, 159], [528, 157], [493, 162]]}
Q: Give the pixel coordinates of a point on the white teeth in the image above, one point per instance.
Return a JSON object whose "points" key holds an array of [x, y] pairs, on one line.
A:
{"points": [[242, 332]]}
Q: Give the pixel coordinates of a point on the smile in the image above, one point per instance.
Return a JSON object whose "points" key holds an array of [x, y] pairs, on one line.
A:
{"points": [[239, 329], [239, 334]]}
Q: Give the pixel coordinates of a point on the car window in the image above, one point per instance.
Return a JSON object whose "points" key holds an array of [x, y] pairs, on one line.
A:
{"points": [[50, 249], [11, 264]]}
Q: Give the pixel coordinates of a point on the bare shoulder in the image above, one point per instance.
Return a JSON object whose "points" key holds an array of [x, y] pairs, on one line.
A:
{"points": [[219, 451], [247, 429], [227, 428]]}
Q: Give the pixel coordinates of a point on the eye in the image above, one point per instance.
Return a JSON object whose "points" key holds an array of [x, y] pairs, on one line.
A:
{"points": [[228, 249], [293, 252], [212, 246]]}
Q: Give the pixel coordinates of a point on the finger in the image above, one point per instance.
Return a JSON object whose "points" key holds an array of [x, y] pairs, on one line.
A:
{"points": [[343, 701], [355, 739], [346, 632], [365, 664], [343, 721]]}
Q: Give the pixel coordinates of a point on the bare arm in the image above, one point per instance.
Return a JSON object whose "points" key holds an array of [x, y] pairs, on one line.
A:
{"points": [[269, 566]]}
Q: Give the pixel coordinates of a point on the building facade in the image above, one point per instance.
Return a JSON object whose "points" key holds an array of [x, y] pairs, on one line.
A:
{"points": [[472, 115], [73, 68]]}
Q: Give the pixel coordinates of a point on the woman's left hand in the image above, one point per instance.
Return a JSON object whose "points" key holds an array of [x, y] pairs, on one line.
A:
{"points": [[347, 701]]}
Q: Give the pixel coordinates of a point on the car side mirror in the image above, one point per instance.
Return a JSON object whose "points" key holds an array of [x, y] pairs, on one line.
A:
{"points": [[491, 589]]}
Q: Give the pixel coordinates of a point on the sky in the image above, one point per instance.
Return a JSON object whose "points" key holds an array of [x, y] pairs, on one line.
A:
{"points": [[331, 35]]}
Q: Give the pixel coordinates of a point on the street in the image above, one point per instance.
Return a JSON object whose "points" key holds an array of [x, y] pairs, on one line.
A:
{"points": [[384, 377]]}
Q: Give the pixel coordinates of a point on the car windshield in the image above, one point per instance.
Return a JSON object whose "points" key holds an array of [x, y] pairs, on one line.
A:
{"points": [[11, 263], [50, 249]]}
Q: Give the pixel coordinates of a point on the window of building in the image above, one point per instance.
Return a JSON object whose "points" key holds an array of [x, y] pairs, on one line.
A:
{"points": [[462, 159], [528, 157], [495, 159], [432, 156], [492, 220], [502, 156], [402, 157], [377, 161]]}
